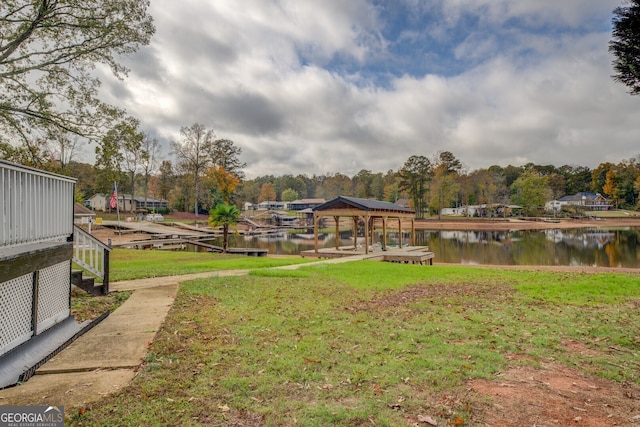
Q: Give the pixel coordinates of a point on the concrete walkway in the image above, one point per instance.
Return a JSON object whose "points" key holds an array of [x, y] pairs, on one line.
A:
{"points": [[106, 358]]}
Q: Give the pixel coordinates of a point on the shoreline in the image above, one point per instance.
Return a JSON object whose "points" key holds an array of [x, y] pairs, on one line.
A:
{"points": [[105, 234], [520, 224]]}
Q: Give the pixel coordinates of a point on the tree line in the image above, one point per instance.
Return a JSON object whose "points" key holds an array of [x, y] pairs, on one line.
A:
{"points": [[441, 181], [208, 171]]}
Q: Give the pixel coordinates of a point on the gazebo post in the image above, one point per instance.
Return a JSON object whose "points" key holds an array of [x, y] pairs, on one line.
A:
{"points": [[355, 232], [399, 233], [413, 232], [337, 221], [366, 233], [384, 233], [315, 231]]}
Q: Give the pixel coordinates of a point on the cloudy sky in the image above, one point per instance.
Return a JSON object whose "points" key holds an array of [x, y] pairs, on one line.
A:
{"points": [[326, 86]]}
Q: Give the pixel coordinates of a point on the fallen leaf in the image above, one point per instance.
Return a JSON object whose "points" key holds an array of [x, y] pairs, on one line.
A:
{"points": [[427, 419], [224, 408]]}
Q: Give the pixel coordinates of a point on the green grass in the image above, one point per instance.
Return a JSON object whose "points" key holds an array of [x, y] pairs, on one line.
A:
{"points": [[128, 264], [363, 342]]}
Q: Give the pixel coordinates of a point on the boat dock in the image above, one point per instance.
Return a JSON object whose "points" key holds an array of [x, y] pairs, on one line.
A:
{"points": [[407, 255]]}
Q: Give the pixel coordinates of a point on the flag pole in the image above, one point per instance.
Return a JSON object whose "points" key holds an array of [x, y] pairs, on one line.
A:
{"points": [[115, 186]]}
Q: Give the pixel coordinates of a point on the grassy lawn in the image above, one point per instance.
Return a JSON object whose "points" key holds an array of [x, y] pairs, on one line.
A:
{"points": [[368, 343], [128, 264]]}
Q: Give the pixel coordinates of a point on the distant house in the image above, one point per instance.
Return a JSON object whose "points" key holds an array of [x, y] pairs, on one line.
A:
{"points": [[403, 202], [586, 200], [302, 204], [272, 205], [100, 202], [83, 215]]}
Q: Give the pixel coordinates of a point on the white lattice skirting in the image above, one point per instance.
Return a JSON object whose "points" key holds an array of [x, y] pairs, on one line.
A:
{"points": [[28, 308]]}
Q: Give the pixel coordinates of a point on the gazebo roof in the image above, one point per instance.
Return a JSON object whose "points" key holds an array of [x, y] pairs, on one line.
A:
{"points": [[369, 205]]}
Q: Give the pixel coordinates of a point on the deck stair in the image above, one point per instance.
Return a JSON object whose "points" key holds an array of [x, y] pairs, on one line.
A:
{"points": [[87, 283], [92, 256]]}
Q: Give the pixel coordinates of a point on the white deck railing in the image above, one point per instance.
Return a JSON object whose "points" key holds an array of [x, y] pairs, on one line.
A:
{"points": [[91, 254], [35, 206]]}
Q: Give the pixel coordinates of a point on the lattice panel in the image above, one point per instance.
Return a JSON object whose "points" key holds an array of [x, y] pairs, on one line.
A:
{"points": [[16, 300], [53, 297]]}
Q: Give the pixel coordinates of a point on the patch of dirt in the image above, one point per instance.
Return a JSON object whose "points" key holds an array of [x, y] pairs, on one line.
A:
{"points": [[462, 293], [555, 395]]}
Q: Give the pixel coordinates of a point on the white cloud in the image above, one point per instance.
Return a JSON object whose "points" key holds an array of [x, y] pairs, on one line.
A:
{"points": [[267, 74]]}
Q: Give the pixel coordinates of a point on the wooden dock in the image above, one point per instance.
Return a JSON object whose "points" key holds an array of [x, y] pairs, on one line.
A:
{"points": [[236, 251], [407, 254], [410, 257], [173, 244]]}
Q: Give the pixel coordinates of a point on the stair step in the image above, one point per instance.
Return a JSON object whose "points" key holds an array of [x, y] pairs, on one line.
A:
{"points": [[87, 284]]}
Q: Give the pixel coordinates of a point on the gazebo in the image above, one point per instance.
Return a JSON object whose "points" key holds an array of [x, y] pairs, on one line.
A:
{"points": [[367, 209]]}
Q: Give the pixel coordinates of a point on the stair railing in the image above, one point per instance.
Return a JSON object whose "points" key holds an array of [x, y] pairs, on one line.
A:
{"points": [[92, 255]]}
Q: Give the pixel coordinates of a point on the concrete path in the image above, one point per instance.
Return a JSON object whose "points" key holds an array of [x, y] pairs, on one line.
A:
{"points": [[104, 359]]}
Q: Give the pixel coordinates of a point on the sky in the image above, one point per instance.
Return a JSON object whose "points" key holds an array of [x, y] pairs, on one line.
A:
{"points": [[333, 86]]}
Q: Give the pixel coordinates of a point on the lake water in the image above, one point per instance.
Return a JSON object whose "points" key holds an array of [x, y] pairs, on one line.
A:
{"points": [[569, 247]]}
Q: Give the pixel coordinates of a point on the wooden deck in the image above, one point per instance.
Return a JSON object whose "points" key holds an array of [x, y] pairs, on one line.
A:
{"points": [[173, 244], [407, 254], [410, 258]]}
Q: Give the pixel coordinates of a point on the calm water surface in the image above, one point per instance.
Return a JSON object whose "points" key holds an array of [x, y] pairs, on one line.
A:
{"points": [[570, 247]]}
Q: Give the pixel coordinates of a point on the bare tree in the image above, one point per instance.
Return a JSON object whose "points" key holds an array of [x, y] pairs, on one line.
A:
{"points": [[65, 147], [149, 161], [192, 154]]}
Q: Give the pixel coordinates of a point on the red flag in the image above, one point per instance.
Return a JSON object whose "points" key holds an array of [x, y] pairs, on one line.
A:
{"points": [[114, 200]]}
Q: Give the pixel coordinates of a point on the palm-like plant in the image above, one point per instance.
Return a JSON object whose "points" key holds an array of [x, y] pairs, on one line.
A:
{"points": [[224, 215]]}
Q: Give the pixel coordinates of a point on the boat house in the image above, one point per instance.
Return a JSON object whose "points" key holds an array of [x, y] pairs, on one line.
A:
{"points": [[369, 212]]}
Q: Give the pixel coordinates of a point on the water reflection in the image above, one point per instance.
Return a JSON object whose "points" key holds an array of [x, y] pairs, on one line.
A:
{"points": [[571, 247]]}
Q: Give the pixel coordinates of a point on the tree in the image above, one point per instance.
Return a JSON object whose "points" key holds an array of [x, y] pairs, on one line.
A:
{"points": [[289, 195], [414, 176], [193, 154], [611, 186], [444, 191], [47, 51], [267, 193], [224, 215], [149, 161], [224, 182], [530, 189], [249, 191], [447, 162], [108, 161], [130, 139], [64, 148], [599, 176], [625, 45], [165, 179], [226, 155], [334, 186], [446, 184], [32, 153], [362, 184]]}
